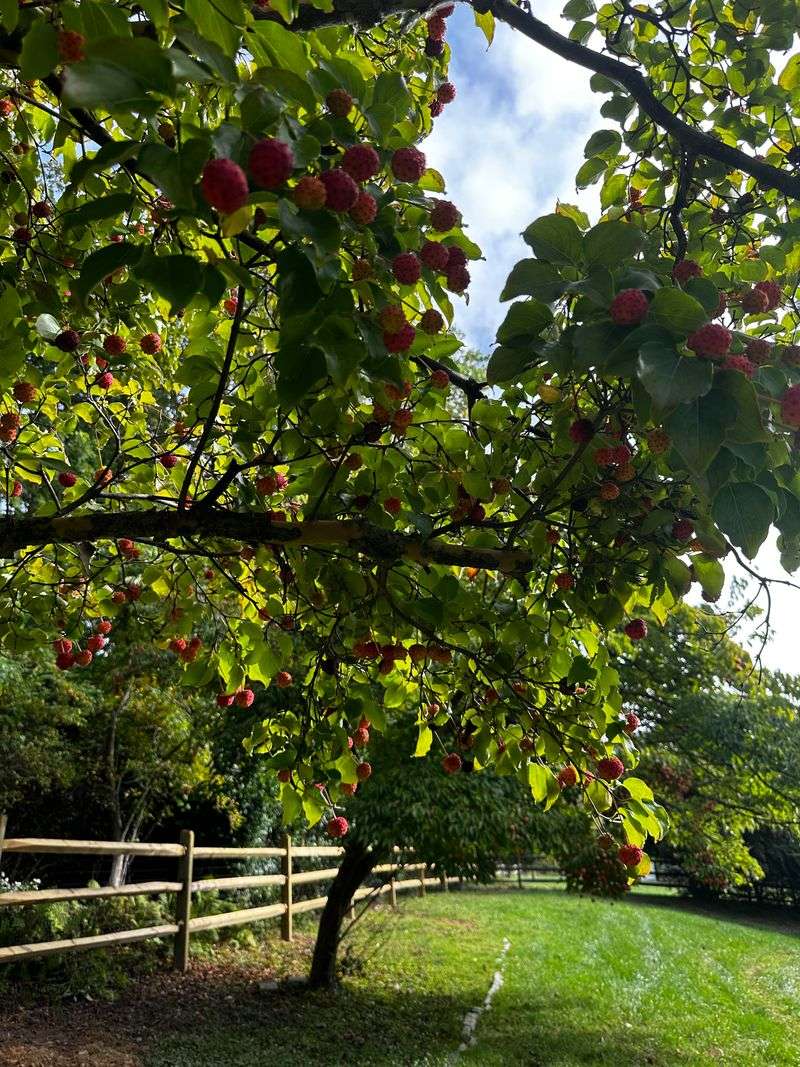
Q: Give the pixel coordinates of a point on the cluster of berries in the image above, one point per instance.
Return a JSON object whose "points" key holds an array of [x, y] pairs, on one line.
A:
{"points": [[69, 656]]}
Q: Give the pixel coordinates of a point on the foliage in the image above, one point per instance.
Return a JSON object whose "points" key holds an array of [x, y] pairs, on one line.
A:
{"points": [[596, 871], [274, 481], [720, 743]]}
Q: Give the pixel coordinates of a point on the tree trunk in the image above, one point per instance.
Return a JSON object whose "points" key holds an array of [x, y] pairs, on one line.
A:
{"points": [[356, 864]]}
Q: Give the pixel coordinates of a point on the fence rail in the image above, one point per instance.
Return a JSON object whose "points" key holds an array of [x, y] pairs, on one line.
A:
{"points": [[186, 852]]}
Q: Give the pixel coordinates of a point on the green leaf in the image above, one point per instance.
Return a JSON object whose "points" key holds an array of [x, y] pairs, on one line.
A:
{"points": [[711, 575], [525, 320], [611, 243], [177, 278], [606, 143], [670, 378], [424, 741], [538, 776], [219, 21], [9, 14], [698, 429], [744, 512], [119, 73], [789, 78], [677, 311], [590, 171], [749, 425], [485, 23], [556, 239], [275, 46], [104, 207], [531, 277], [291, 803], [638, 789], [507, 364], [102, 263], [39, 54], [614, 190]]}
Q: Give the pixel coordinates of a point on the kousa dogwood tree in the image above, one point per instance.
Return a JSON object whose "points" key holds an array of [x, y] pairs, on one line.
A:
{"points": [[228, 287]]}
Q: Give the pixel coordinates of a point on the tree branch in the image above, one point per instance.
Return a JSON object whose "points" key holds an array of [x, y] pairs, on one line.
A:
{"points": [[367, 538], [693, 140]]}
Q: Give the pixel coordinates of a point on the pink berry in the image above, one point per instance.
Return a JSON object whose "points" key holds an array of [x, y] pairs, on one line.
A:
{"points": [[636, 629], [630, 855], [629, 307], [408, 164], [337, 827], [270, 162], [685, 269], [406, 268], [435, 255], [444, 216], [610, 768], [361, 162], [400, 341], [711, 341], [224, 185], [341, 191]]}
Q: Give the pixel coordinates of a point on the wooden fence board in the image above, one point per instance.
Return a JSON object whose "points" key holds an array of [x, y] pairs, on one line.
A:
{"points": [[90, 848], [210, 852], [245, 881], [50, 896], [79, 944], [235, 918]]}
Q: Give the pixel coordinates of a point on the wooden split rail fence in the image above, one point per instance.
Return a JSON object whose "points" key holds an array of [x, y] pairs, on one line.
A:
{"points": [[185, 853]]}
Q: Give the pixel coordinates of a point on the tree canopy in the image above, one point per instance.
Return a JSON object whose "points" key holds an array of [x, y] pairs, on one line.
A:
{"points": [[229, 282]]}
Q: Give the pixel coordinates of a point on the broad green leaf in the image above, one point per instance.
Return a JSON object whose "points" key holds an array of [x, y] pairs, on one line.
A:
{"points": [[532, 277], [670, 378], [744, 512], [525, 320], [698, 429], [556, 239], [39, 55], [610, 243], [677, 311]]}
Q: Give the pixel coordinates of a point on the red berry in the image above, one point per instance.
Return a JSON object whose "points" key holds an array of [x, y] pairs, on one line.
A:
{"points": [[337, 827], [629, 307], [581, 431], [224, 185], [609, 491], [339, 103], [392, 505], [41, 210], [67, 479], [440, 379], [150, 344], [400, 341], [408, 164], [65, 660], [6, 106], [630, 855], [773, 293], [309, 194], [564, 581], [636, 629], [435, 255], [360, 736], [436, 108], [406, 268], [168, 461], [682, 530], [758, 351], [711, 341], [741, 364], [790, 355], [104, 626], [632, 722], [244, 698], [349, 788], [224, 700], [432, 322], [685, 269], [283, 679], [433, 48], [340, 189], [754, 301], [790, 407], [363, 770], [84, 658], [364, 210], [567, 777], [436, 27], [392, 318], [24, 392], [362, 269], [451, 764], [71, 46], [96, 642], [270, 162], [67, 340], [610, 768], [458, 278], [62, 645], [446, 93], [22, 235], [114, 345], [361, 162], [104, 380], [444, 215]]}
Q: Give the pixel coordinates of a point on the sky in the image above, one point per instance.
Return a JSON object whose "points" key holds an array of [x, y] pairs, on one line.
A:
{"points": [[509, 146]]}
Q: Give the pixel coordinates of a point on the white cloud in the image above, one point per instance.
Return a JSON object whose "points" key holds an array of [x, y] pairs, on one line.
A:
{"points": [[508, 146]]}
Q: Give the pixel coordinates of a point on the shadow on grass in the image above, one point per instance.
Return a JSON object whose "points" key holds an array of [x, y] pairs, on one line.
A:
{"points": [[769, 916]]}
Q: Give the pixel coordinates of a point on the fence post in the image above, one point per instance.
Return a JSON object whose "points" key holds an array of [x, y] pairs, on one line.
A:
{"points": [[3, 825], [423, 870], [392, 891], [443, 882], [183, 904], [287, 931]]}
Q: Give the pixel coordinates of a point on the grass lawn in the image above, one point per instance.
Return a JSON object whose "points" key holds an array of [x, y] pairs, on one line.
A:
{"points": [[645, 981]]}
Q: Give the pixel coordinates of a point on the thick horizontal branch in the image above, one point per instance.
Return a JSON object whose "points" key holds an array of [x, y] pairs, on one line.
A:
{"points": [[163, 525], [694, 140]]}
